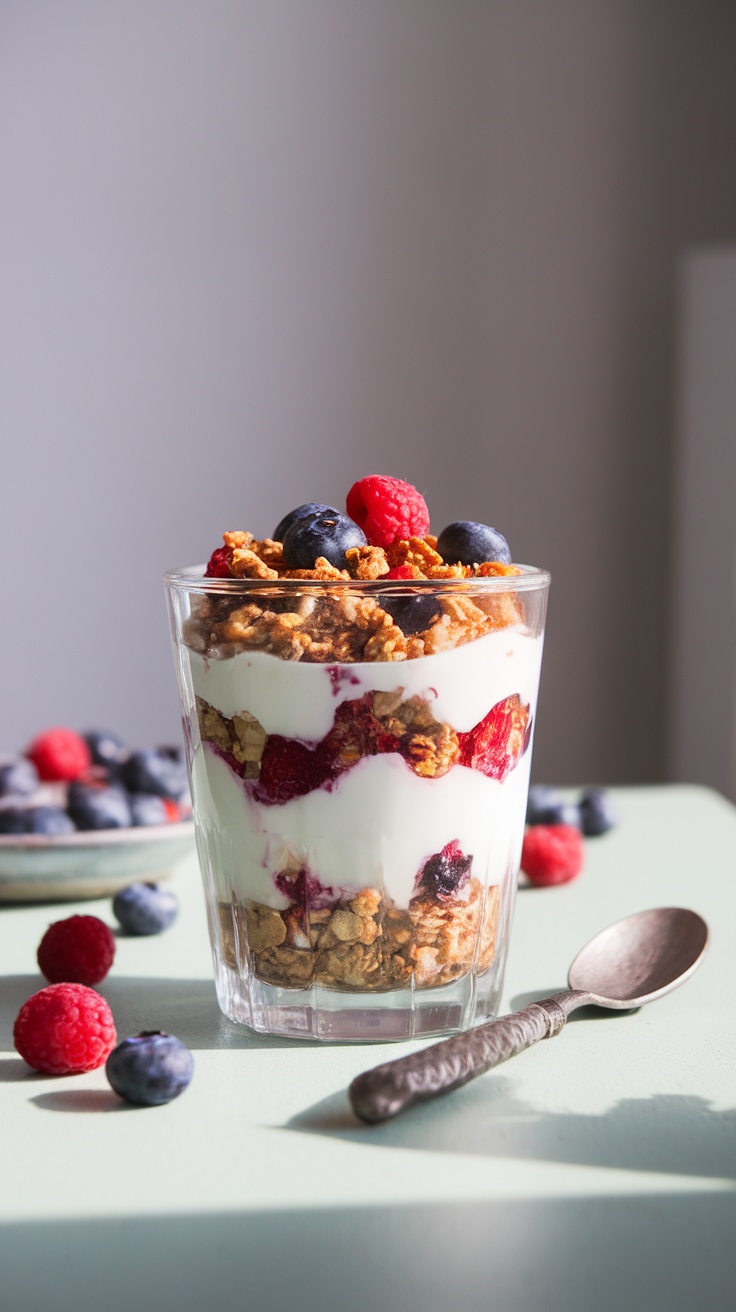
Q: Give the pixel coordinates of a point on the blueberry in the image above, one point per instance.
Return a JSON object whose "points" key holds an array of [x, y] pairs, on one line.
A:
{"points": [[49, 820], [98, 808], [446, 872], [150, 1068], [148, 771], [466, 543], [147, 809], [145, 908], [328, 535], [310, 510], [13, 820], [412, 614], [173, 751], [597, 812], [18, 778], [106, 748], [546, 807], [540, 797]]}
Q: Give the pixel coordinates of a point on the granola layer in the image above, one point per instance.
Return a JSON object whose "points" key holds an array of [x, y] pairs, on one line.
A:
{"points": [[364, 943], [338, 626]]}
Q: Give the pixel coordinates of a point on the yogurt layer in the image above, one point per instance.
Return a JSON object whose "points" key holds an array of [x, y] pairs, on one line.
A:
{"points": [[298, 699], [375, 828]]}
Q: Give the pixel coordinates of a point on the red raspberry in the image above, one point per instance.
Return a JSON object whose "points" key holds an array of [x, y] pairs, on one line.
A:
{"points": [[173, 811], [400, 572], [552, 854], [387, 509], [60, 754], [64, 1029], [78, 950], [499, 740], [218, 565]]}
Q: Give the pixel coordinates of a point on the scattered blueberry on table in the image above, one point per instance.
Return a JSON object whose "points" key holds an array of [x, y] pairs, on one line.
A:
{"points": [[553, 850], [150, 1068], [597, 812], [593, 812], [143, 909]]}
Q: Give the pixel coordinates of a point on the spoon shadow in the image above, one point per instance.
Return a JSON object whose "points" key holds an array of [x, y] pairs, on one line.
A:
{"points": [[668, 1133]]}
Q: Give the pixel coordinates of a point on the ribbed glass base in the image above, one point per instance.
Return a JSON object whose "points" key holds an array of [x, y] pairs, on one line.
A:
{"points": [[330, 1016]]}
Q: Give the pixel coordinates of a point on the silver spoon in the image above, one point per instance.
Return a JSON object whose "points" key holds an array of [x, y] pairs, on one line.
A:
{"points": [[632, 962]]}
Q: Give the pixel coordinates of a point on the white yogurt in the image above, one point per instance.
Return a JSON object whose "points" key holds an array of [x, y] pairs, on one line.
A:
{"points": [[375, 828], [298, 700]]}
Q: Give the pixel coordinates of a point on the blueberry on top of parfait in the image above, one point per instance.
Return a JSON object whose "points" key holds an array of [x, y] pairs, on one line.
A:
{"points": [[466, 543]]}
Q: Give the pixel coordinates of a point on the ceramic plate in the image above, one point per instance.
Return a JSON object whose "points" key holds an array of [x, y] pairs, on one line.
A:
{"points": [[36, 868]]}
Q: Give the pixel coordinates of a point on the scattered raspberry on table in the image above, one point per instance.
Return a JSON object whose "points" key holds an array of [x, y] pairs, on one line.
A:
{"points": [[552, 854], [65, 1029], [78, 950]]}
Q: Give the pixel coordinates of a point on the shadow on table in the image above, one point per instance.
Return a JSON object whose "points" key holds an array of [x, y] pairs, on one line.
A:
{"points": [[670, 1133], [184, 1007], [656, 1251]]}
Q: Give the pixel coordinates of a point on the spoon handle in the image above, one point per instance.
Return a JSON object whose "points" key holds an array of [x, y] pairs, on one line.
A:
{"points": [[386, 1090]]}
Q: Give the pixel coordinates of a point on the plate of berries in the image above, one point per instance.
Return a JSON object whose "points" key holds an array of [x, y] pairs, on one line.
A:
{"points": [[83, 815]]}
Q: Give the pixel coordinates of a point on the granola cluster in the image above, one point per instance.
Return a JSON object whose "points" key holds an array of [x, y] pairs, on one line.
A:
{"points": [[323, 625], [364, 944], [376, 722]]}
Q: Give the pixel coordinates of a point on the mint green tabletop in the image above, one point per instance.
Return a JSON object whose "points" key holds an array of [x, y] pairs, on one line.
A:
{"points": [[596, 1171]]}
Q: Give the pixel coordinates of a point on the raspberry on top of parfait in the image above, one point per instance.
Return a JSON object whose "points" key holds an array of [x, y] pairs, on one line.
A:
{"points": [[385, 533], [383, 536]]}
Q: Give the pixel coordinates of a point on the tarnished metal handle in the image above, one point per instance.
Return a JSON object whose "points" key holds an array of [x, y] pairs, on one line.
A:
{"points": [[383, 1092]]}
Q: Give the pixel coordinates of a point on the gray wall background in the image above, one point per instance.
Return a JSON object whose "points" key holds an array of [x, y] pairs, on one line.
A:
{"points": [[251, 251], [702, 709]]}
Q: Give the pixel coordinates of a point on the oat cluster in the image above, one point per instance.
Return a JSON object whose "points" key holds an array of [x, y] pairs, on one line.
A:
{"points": [[429, 746], [324, 626], [364, 943]]}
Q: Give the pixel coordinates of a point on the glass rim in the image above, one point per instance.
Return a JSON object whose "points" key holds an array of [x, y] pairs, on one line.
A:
{"points": [[191, 578]]}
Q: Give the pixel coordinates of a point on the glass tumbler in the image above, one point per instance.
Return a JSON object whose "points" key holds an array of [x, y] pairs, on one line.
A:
{"points": [[359, 756]]}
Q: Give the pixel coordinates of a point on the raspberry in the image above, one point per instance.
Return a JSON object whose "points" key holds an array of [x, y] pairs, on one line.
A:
{"points": [[499, 740], [400, 572], [552, 854], [387, 509], [60, 754], [64, 1029], [218, 565], [78, 950], [173, 811], [290, 768]]}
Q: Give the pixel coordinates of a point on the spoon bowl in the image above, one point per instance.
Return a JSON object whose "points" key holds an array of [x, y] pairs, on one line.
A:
{"points": [[640, 958], [632, 962]]}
